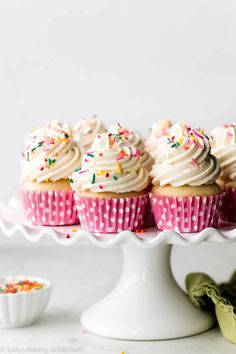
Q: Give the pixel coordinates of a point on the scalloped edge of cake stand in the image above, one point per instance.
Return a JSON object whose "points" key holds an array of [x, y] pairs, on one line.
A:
{"points": [[74, 235]]}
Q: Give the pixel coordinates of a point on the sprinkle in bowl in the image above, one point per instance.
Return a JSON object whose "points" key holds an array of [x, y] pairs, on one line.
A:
{"points": [[22, 300]]}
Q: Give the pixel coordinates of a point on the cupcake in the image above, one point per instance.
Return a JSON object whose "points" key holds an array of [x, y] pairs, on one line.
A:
{"points": [[47, 163], [223, 140], [185, 196], [159, 131], [86, 130], [111, 189], [133, 138]]}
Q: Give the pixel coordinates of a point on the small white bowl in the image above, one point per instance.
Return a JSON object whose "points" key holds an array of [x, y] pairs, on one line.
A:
{"points": [[23, 308]]}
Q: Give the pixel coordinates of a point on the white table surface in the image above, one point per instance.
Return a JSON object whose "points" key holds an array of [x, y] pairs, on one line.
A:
{"points": [[81, 276]]}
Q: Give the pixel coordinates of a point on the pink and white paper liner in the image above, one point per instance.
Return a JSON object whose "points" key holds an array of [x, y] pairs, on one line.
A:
{"points": [[50, 207], [228, 212], [111, 215], [186, 214]]}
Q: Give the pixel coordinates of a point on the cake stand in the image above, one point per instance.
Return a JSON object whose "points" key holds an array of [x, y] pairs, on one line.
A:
{"points": [[147, 303]]}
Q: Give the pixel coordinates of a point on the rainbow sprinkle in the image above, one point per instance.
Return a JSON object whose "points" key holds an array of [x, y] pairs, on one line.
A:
{"points": [[101, 173], [112, 140], [119, 168], [189, 137], [21, 286], [194, 162], [175, 145], [137, 153], [51, 162], [140, 231], [40, 143], [83, 171], [121, 155]]}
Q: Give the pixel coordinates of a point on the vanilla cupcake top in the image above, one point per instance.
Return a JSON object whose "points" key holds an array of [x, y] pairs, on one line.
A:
{"points": [[133, 137], [86, 129], [185, 159], [50, 128], [110, 166], [223, 140], [50, 157], [159, 131]]}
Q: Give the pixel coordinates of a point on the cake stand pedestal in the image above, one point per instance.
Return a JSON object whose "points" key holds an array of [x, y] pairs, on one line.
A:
{"points": [[147, 303]]}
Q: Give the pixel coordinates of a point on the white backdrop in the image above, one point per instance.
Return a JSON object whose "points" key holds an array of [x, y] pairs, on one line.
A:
{"points": [[129, 61], [132, 61]]}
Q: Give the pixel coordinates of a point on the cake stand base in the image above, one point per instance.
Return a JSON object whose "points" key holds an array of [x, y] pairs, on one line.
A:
{"points": [[146, 304]]}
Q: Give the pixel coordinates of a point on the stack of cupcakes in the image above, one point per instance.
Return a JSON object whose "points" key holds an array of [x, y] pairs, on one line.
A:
{"points": [[185, 196], [111, 189], [107, 188]]}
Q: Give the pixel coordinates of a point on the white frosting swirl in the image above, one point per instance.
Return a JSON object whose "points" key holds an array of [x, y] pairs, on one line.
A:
{"points": [[51, 158], [147, 161], [86, 129], [185, 159], [50, 129], [223, 140], [159, 131], [134, 138], [111, 166]]}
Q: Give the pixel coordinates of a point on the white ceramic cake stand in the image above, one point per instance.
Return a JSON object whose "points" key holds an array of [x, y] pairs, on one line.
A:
{"points": [[147, 303]]}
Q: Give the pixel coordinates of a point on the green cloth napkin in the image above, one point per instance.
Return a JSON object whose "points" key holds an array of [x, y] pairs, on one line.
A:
{"points": [[204, 293]]}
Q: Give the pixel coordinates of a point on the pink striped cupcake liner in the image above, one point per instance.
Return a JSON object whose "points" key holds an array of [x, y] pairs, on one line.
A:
{"points": [[186, 214], [50, 207], [229, 205], [111, 215]]}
